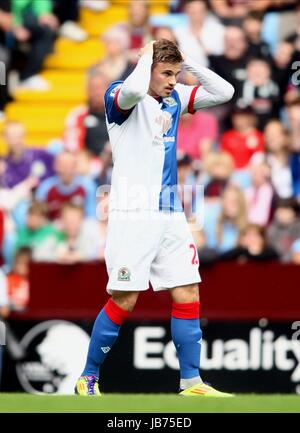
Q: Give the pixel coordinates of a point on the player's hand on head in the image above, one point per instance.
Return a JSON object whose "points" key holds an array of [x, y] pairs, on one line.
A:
{"points": [[147, 49]]}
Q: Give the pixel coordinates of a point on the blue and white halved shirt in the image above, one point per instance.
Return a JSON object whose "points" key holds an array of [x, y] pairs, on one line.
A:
{"points": [[143, 141]]}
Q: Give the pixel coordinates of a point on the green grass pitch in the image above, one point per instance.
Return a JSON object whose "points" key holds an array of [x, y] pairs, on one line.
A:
{"points": [[151, 403]]}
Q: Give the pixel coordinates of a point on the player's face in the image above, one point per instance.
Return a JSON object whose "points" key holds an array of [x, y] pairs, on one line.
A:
{"points": [[163, 79]]}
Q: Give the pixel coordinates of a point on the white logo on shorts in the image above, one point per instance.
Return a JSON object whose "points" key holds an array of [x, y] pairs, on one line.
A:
{"points": [[105, 349]]}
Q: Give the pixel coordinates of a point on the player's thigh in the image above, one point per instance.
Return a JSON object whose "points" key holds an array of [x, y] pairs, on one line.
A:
{"points": [[130, 248], [177, 261]]}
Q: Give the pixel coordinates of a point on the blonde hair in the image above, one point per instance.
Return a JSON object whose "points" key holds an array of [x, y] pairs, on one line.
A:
{"points": [[240, 222], [215, 158]]}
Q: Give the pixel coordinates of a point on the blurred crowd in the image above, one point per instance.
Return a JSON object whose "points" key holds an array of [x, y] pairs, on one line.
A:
{"points": [[245, 153]]}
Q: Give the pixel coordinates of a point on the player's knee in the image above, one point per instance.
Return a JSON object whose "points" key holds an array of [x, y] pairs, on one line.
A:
{"points": [[186, 294], [125, 300]]}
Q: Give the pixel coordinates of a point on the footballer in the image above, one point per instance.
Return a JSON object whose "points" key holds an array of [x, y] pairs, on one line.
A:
{"points": [[148, 236]]}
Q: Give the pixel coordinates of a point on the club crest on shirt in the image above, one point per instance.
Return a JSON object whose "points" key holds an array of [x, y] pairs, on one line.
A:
{"points": [[170, 101], [124, 274]]}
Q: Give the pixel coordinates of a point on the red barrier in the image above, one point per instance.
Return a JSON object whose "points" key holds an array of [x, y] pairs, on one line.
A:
{"points": [[229, 291]]}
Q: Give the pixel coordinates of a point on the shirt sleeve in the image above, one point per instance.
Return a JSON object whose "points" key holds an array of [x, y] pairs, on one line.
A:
{"points": [[187, 96], [211, 90], [114, 113]]}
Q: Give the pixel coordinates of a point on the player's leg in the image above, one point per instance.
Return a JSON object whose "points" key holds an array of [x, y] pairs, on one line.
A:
{"points": [[176, 268], [106, 329], [105, 332], [187, 335], [186, 332], [130, 248]]}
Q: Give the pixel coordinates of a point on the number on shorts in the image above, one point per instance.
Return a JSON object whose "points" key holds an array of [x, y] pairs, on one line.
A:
{"points": [[194, 259]]}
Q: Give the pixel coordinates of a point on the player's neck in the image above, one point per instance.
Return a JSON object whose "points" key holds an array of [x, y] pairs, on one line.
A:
{"points": [[154, 95]]}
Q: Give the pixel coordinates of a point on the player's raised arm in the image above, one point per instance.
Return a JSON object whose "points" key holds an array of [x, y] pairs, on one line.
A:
{"points": [[213, 89], [136, 86]]}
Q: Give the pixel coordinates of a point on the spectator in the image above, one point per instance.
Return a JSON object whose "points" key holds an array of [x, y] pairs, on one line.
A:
{"points": [[232, 67], [219, 167], [277, 157], [260, 92], [82, 241], [195, 39], [13, 205], [243, 140], [38, 234], [294, 38], [66, 186], [86, 125], [252, 26], [68, 15], [285, 228], [21, 162], [164, 32], [237, 9], [18, 281], [252, 246], [223, 232], [295, 167], [5, 55], [231, 11], [196, 134], [87, 165], [282, 67], [259, 196], [116, 62], [292, 93], [139, 27], [294, 124], [34, 23]]}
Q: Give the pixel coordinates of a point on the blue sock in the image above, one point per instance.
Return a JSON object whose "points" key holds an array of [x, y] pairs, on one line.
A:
{"points": [[186, 334], [104, 334]]}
